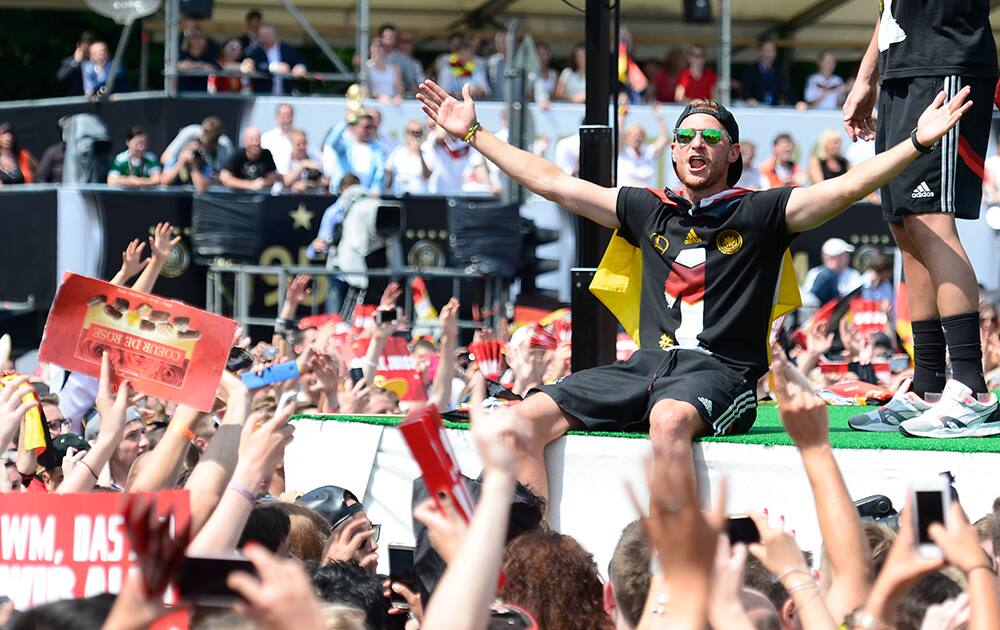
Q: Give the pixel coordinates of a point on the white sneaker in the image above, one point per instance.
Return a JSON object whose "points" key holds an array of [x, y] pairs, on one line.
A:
{"points": [[904, 405], [959, 414]]}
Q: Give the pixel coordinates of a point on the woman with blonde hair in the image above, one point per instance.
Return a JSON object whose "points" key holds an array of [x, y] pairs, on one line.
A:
{"points": [[826, 161]]}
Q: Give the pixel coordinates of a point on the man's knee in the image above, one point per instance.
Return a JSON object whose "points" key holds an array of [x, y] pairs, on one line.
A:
{"points": [[674, 421], [928, 230], [542, 419]]}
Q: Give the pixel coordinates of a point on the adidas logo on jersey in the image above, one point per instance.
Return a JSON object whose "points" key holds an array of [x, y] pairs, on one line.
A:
{"points": [[922, 191], [692, 238]]}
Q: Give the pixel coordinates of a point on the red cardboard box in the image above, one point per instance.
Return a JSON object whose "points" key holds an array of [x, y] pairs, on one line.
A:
{"points": [[163, 347]]}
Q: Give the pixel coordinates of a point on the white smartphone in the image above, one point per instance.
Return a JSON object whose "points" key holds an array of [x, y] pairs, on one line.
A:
{"points": [[931, 500], [288, 398]]}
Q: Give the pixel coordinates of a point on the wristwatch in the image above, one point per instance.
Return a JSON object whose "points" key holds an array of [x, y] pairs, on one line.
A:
{"points": [[859, 618]]}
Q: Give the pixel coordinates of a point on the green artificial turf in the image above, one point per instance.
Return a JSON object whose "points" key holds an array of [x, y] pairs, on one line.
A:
{"points": [[768, 431]]}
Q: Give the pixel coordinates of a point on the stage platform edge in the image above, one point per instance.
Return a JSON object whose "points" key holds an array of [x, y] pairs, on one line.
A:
{"points": [[367, 455]]}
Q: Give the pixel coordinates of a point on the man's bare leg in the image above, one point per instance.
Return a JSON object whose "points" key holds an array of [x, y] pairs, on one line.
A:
{"points": [[935, 237], [673, 424], [919, 288], [546, 422]]}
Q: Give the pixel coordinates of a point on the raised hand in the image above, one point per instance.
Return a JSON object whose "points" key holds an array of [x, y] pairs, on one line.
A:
{"points": [[777, 549], [159, 551], [940, 117], [280, 596], [454, 116], [497, 434], [802, 412], [448, 318], [160, 242], [445, 527], [348, 544], [111, 406], [132, 261], [390, 296], [298, 289], [12, 410]]}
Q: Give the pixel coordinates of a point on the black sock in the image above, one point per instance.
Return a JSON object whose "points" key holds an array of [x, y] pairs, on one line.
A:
{"points": [[928, 357], [965, 350]]}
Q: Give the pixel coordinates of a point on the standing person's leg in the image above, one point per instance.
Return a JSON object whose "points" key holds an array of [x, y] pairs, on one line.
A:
{"points": [[928, 336], [955, 292]]}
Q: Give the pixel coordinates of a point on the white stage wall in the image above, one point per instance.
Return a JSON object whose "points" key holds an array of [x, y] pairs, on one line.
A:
{"points": [[587, 476]]}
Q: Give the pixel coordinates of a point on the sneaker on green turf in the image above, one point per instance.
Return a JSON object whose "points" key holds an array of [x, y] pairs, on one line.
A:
{"points": [[958, 414], [904, 405]]}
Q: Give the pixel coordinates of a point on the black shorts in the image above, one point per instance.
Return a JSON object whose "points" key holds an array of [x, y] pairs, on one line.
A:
{"points": [[619, 397], [950, 178]]}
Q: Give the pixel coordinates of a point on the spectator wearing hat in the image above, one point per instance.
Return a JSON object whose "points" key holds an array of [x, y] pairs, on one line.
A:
{"points": [[835, 277], [353, 537], [133, 443]]}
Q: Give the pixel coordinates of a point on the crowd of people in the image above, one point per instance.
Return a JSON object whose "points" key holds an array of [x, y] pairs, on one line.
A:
{"points": [[258, 61], [315, 549]]}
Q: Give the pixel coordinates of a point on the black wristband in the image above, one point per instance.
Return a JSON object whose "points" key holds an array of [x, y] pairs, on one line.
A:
{"points": [[283, 326], [916, 143]]}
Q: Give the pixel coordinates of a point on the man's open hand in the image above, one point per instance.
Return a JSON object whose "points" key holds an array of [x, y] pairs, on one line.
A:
{"points": [[454, 117]]}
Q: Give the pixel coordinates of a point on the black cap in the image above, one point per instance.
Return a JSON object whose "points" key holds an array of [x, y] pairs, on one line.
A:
{"points": [[331, 503], [728, 122], [52, 456]]}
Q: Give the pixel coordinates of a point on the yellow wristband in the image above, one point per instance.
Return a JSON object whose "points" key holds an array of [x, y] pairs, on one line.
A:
{"points": [[472, 131]]}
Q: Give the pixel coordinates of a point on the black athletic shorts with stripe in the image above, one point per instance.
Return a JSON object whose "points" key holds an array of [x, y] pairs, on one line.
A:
{"points": [[620, 397], [950, 178]]}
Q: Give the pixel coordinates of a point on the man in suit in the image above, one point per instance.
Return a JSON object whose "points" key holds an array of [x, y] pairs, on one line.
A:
{"points": [[270, 55]]}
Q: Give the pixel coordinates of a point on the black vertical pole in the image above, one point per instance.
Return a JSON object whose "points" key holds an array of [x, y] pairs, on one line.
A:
{"points": [[594, 328]]}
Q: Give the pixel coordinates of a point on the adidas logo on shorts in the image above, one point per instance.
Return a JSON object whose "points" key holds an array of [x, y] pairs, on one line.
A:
{"points": [[922, 191]]}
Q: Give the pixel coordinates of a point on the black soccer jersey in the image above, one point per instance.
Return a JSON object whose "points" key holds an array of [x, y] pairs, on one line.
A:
{"points": [[709, 273], [932, 38]]}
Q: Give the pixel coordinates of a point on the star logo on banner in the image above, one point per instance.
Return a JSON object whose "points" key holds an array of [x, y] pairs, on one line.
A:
{"points": [[301, 218]]}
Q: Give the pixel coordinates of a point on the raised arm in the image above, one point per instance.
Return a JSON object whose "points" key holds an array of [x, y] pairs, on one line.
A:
{"points": [[165, 461], [810, 206], [441, 390], [160, 245], [805, 418], [531, 171], [111, 408], [132, 263]]}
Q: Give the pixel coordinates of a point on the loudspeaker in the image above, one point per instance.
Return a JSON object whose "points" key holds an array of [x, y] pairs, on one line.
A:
{"points": [[227, 225], [697, 11], [199, 9], [485, 235]]}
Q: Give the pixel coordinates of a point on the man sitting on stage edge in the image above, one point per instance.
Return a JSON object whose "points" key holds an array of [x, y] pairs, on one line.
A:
{"points": [[711, 257]]}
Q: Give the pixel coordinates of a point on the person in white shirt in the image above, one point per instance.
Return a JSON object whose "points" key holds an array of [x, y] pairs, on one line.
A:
{"points": [[636, 159], [448, 160], [567, 154], [278, 140], [824, 88], [991, 177], [406, 170], [305, 173]]}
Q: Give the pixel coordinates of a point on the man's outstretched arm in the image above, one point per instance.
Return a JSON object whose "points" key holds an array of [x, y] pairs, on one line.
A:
{"points": [[810, 206], [531, 171]]}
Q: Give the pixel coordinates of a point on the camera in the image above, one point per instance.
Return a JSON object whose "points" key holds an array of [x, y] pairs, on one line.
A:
{"points": [[198, 156]]}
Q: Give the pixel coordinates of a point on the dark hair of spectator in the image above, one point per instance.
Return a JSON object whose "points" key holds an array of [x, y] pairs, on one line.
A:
{"points": [[268, 526], [555, 579], [933, 589], [704, 103], [765, 40], [386, 27], [572, 57], [133, 132], [758, 578], [6, 127], [212, 128], [49, 398], [252, 14], [308, 532], [347, 583], [87, 37], [629, 572], [879, 262], [780, 137], [66, 614]]}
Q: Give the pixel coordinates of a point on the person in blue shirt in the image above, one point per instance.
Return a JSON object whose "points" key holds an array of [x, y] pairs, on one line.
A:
{"points": [[95, 71], [350, 148]]}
